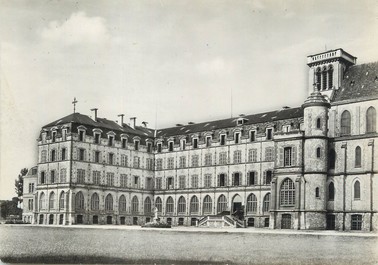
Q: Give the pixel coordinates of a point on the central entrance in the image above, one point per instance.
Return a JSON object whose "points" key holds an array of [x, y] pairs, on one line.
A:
{"points": [[237, 204]]}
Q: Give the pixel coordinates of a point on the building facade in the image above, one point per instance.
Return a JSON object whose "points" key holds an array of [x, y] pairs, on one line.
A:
{"points": [[310, 167]]}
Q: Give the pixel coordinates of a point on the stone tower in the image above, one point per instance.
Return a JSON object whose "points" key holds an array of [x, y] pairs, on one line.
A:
{"points": [[327, 70], [315, 160]]}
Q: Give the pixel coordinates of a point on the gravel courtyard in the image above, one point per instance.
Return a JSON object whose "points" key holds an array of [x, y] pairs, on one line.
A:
{"points": [[36, 244]]}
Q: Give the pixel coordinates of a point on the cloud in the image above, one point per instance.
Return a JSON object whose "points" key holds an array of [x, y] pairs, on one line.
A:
{"points": [[79, 28], [214, 66]]}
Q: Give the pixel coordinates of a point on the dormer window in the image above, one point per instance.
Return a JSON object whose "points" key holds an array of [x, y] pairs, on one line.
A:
{"points": [[149, 147], [64, 134], [222, 139], [110, 140], [195, 143], [81, 135], [159, 147], [240, 122], [170, 146], [269, 134], [252, 136], [124, 142], [53, 137], [136, 145], [237, 138], [183, 144], [97, 138], [208, 141]]}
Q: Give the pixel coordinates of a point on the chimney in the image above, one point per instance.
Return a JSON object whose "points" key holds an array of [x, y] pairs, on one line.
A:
{"points": [[95, 115], [133, 119], [144, 124], [121, 121]]}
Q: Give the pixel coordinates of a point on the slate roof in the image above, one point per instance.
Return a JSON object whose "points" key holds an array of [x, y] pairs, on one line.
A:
{"points": [[360, 81], [231, 122], [102, 123]]}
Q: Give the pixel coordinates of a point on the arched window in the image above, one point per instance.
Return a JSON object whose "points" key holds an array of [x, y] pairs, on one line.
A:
{"points": [[330, 77], [222, 203], [318, 152], [147, 205], [109, 202], [42, 201], [122, 204], [194, 204], [181, 205], [61, 200], [95, 202], [159, 204], [331, 191], [287, 193], [266, 203], [357, 190], [345, 123], [169, 205], [207, 205], [318, 123], [371, 120], [79, 201], [332, 159], [52, 200], [251, 203], [324, 79], [135, 204], [357, 159]]}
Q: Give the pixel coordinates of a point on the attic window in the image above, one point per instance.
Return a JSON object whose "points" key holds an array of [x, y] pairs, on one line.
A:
{"points": [[240, 122]]}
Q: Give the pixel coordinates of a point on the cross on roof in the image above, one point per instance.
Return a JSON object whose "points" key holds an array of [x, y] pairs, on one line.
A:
{"points": [[74, 104]]}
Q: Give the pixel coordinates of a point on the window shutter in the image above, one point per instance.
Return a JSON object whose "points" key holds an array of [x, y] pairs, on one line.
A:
{"points": [[281, 157], [294, 156]]}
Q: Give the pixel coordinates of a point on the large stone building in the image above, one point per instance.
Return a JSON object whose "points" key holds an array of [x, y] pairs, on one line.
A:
{"points": [[310, 167]]}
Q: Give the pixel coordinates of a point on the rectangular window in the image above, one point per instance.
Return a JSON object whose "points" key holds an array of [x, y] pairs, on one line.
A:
{"points": [[158, 183], [43, 156], [222, 180], [111, 159], [195, 143], [136, 145], [223, 158], [236, 179], [110, 140], [30, 188], [63, 177], [81, 176], [123, 180], [149, 184], [182, 182], [110, 179], [269, 134], [53, 137], [269, 154], [81, 154], [208, 160], [124, 160], [149, 147], [170, 146], [208, 141], [64, 154], [97, 138], [81, 136], [97, 156], [96, 177], [207, 181], [136, 182], [150, 163], [170, 183], [136, 162], [223, 139], [356, 222], [252, 155], [251, 178], [237, 138], [194, 160], [124, 142], [159, 164], [237, 157], [64, 134], [182, 162], [287, 156], [171, 163], [253, 136], [52, 176], [159, 147], [183, 144], [194, 181], [43, 178]]}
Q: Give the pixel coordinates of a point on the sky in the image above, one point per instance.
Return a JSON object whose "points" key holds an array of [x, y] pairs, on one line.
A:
{"points": [[165, 62]]}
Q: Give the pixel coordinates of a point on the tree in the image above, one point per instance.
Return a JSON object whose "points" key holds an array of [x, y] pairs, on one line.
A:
{"points": [[19, 183]]}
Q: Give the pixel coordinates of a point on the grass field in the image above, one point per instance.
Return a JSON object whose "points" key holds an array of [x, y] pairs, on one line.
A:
{"points": [[36, 244]]}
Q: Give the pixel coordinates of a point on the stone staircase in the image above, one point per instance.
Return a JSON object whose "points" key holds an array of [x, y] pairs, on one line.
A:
{"points": [[220, 221]]}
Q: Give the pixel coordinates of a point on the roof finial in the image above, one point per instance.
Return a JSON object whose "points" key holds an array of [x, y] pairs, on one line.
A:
{"points": [[74, 103]]}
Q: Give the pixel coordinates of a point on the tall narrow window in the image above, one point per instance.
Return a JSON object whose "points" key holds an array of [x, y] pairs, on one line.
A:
{"points": [[159, 204], [122, 204], [266, 203], [181, 207], [79, 201], [135, 205], [318, 123], [170, 146], [269, 134], [237, 138], [267, 177], [183, 144], [149, 147], [251, 203], [318, 78], [371, 120], [147, 206], [42, 177], [52, 176], [208, 141], [222, 204], [223, 139], [330, 77], [331, 191], [53, 155], [324, 80], [357, 161], [195, 143], [222, 180], [287, 156], [64, 154], [287, 193], [169, 205], [81, 136], [318, 152], [109, 203], [124, 142], [52, 200], [236, 181], [159, 147], [207, 205], [207, 181], [357, 190], [110, 140], [252, 178], [95, 202], [332, 159], [97, 138], [42, 201], [61, 200], [136, 145], [194, 204], [253, 136], [317, 192], [345, 123]]}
